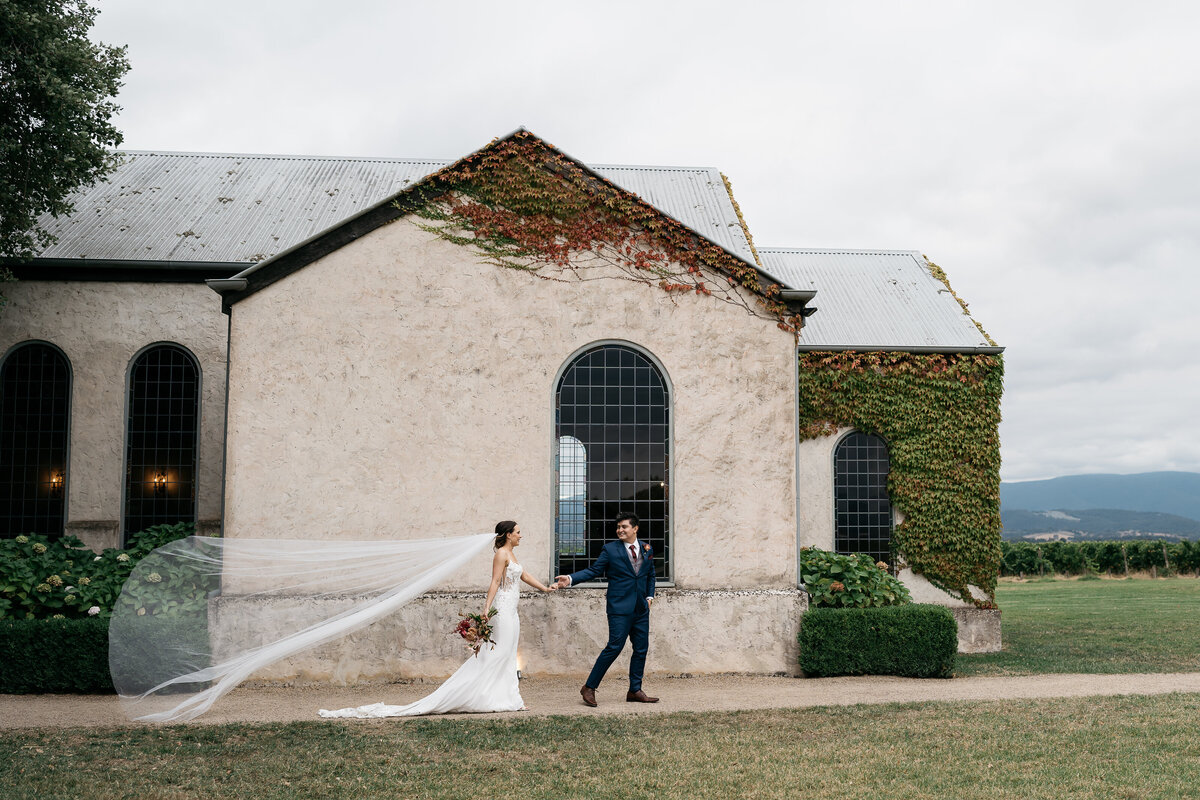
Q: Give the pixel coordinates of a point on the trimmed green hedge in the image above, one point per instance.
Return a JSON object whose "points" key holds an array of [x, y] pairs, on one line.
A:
{"points": [[54, 655], [140, 658], [913, 640]]}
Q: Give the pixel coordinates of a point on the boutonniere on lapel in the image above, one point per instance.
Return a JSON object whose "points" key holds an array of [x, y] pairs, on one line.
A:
{"points": [[646, 550]]}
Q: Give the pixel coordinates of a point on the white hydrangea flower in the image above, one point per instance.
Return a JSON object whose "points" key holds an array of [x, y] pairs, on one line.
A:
{"points": [[93, 611], [123, 557]]}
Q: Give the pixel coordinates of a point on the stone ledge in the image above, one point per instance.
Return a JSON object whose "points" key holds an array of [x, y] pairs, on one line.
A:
{"points": [[96, 534], [691, 632], [978, 629]]}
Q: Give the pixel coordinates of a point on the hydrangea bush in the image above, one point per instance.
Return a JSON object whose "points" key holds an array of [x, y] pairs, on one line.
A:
{"points": [[63, 579], [849, 581]]}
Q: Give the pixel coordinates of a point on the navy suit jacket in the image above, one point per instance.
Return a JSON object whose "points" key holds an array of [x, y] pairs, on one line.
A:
{"points": [[627, 592]]}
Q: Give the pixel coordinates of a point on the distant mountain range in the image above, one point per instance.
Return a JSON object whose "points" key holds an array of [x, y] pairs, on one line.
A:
{"points": [[1165, 504], [1096, 523]]}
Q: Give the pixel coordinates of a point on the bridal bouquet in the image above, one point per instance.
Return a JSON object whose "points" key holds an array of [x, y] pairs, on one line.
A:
{"points": [[476, 629]]}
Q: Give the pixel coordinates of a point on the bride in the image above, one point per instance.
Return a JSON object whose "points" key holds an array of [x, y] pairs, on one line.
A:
{"points": [[487, 681]]}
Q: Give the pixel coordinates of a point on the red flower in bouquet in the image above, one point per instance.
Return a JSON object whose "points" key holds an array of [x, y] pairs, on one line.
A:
{"points": [[476, 629]]}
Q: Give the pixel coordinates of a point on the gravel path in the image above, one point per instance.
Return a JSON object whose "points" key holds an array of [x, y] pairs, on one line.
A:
{"points": [[551, 696]]}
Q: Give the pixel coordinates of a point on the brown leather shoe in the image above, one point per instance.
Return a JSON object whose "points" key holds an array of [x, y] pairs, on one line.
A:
{"points": [[589, 696], [639, 697]]}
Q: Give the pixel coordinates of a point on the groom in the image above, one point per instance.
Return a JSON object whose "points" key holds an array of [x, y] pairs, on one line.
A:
{"points": [[629, 566]]}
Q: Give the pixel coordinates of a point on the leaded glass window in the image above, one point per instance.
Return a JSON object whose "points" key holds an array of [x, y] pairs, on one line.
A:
{"points": [[612, 420], [35, 403], [863, 512], [161, 438]]}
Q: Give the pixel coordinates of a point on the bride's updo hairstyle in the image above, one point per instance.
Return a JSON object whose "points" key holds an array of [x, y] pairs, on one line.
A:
{"points": [[503, 529]]}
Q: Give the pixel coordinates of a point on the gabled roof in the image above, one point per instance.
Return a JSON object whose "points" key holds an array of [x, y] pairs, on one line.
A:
{"points": [[523, 145], [877, 300], [189, 216], [225, 208]]}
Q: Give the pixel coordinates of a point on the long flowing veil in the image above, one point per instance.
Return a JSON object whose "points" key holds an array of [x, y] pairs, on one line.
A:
{"points": [[172, 654]]}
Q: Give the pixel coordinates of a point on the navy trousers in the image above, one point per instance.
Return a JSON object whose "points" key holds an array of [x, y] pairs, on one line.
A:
{"points": [[634, 627]]}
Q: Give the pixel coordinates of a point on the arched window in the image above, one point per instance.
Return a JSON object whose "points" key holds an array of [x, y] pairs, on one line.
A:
{"points": [[862, 511], [161, 438], [612, 423], [35, 407]]}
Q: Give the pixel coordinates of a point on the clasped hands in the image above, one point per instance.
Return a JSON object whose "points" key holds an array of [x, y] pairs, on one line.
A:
{"points": [[563, 581]]}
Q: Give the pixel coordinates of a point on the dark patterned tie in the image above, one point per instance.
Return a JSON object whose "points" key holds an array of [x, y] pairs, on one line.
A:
{"points": [[633, 554]]}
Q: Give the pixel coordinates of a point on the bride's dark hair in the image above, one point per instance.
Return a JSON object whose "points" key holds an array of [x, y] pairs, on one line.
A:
{"points": [[503, 529]]}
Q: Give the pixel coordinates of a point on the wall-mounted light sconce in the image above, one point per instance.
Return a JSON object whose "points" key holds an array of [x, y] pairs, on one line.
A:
{"points": [[160, 483], [56, 484]]}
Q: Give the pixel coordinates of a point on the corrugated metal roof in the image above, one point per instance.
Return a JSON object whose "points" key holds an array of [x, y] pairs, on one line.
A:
{"points": [[221, 207], [874, 299]]}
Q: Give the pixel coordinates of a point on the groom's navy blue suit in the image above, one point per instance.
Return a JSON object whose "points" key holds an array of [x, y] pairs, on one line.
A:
{"points": [[627, 609]]}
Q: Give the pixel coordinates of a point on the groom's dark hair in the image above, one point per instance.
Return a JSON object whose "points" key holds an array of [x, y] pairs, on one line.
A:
{"points": [[633, 519]]}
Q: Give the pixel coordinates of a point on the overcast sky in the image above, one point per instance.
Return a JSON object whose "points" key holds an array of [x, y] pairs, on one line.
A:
{"points": [[1044, 153]]}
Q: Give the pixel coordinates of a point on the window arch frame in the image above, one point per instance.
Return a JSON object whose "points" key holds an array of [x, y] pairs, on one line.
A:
{"points": [[890, 556], [127, 444], [65, 470], [664, 577]]}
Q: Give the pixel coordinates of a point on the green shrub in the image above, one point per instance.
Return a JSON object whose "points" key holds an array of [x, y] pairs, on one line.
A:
{"points": [[41, 578], [853, 581], [54, 655], [912, 640], [143, 650], [1082, 558]]}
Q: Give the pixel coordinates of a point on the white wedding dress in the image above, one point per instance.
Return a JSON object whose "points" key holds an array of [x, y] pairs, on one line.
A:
{"points": [[485, 682]]}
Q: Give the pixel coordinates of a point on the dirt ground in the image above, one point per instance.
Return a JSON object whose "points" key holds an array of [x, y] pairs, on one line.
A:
{"points": [[554, 696]]}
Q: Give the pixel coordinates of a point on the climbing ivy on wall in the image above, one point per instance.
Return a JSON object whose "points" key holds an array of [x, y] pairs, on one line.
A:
{"points": [[523, 205], [939, 414]]}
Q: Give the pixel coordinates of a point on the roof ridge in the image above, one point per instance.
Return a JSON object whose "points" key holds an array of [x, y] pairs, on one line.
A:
{"points": [[839, 250], [384, 159], [283, 157]]}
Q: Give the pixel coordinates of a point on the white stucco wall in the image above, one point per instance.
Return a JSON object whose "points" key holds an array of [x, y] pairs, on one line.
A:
{"points": [[100, 326], [815, 524], [399, 388]]}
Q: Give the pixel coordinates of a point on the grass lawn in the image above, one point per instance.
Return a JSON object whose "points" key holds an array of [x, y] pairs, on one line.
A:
{"points": [[1117, 747], [1094, 626], [1106, 747]]}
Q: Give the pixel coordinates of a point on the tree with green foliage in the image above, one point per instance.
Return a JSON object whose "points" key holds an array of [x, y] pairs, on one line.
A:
{"points": [[56, 109]]}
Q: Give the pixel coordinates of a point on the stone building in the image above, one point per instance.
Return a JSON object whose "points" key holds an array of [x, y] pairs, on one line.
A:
{"points": [[362, 370]]}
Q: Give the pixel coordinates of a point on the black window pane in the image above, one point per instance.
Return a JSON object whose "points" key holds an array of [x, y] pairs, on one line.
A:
{"points": [[161, 444], [617, 466], [862, 510], [35, 402]]}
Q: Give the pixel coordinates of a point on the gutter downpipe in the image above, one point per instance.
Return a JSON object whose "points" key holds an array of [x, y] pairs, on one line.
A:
{"points": [[796, 455]]}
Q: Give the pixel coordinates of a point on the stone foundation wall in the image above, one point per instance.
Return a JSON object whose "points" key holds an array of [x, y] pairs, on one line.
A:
{"points": [[978, 629], [691, 632]]}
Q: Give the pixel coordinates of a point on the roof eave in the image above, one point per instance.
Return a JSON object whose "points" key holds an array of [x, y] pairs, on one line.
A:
{"points": [[120, 270], [899, 348]]}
